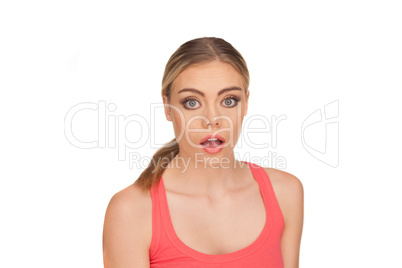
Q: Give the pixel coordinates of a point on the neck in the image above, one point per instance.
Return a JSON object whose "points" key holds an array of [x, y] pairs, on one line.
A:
{"points": [[206, 174]]}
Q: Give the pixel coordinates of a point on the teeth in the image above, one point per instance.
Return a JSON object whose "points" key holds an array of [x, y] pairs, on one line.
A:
{"points": [[212, 139]]}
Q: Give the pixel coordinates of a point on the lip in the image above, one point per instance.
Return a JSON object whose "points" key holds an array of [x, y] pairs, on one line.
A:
{"points": [[219, 137], [213, 150]]}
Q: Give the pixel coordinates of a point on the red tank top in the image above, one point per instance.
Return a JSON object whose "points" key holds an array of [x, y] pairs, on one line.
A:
{"points": [[167, 250]]}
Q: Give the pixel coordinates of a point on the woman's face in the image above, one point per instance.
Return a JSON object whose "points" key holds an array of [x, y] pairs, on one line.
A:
{"points": [[206, 93]]}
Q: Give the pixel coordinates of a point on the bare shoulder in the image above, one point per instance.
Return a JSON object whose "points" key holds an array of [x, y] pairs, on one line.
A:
{"points": [[288, 190], [284, 181], [127, 230], [131, 200]]}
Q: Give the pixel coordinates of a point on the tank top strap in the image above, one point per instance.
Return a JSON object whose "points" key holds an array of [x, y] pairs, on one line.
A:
{"points": [[167, 250], [267, 191], [156, 219]]}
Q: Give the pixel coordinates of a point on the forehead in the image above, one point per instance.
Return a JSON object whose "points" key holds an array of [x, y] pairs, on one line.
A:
{"points": [[208, 77]]}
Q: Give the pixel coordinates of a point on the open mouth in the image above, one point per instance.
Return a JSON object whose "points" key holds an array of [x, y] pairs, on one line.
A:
{"points": [[212, 141]]}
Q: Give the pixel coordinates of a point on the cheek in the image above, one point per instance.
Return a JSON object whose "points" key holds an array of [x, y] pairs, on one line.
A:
{"points": [[182, 121], [177, 118], [237, 122], [236, 117]]}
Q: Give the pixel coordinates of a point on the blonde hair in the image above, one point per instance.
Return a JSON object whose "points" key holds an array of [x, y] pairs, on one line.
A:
{"points": [[200, 50]]}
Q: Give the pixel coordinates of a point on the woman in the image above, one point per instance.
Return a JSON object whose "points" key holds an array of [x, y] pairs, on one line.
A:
{"points": [[195, 205]]}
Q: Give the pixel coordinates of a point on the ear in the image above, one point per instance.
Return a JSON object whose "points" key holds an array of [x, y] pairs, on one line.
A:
{"points": [[168, 110]]}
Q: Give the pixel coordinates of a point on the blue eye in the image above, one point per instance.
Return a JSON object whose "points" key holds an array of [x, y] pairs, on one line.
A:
{"points": [[231, 101], [190, 103]]}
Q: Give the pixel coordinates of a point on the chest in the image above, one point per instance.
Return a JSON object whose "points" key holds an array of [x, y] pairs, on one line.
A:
{"points": [[225, 225]]}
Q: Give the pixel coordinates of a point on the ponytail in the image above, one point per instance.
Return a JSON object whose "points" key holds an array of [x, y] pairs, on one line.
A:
{"points": [[152, 174]]}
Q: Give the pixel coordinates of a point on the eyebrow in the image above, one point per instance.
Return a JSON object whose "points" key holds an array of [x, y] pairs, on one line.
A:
{"points": [[202, 94]]}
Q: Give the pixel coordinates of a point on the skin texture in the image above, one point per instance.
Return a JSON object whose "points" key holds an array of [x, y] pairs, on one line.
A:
{"points": [[216, 184], [226, 119]]}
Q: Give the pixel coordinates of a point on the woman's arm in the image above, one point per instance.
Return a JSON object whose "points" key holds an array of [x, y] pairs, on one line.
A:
{"points": [[127, 230], [290, 195], [292, 205]]}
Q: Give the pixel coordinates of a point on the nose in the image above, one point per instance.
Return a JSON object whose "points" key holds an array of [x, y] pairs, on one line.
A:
{"points": [[212, 119], [216, 123]]}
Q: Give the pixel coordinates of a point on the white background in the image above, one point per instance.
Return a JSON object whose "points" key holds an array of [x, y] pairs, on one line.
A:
{"points": [[302, 55]]}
